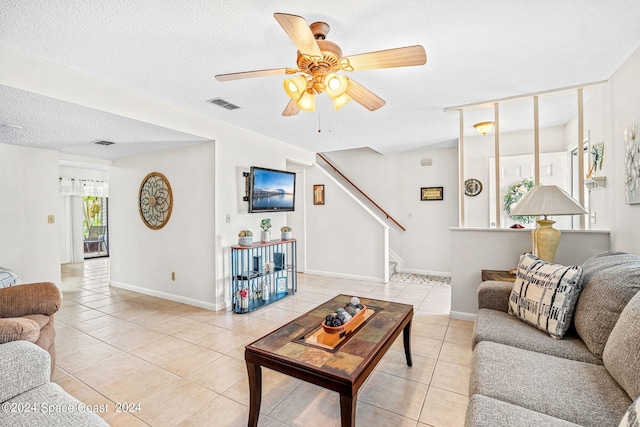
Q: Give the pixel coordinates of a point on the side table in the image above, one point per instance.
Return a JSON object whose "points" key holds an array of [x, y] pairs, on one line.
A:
{"points": [[500, 275]]}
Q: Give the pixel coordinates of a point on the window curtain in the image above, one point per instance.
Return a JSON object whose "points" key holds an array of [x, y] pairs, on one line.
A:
{"points": [[83, 187], [71, 191]]}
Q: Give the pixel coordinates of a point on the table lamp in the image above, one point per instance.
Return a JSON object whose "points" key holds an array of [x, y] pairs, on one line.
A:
{"points": [[544, 200]]}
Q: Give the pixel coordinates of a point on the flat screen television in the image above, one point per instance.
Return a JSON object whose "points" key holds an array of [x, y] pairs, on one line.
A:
{"points": [[271, 190]]}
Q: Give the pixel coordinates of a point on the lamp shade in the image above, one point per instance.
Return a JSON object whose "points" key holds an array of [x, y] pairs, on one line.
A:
{"points": [[547, 200], [340, 101], [336, 85], [307, 102], [295, 87]]}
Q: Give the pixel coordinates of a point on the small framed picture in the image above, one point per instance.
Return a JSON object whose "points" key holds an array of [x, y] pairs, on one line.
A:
{"points": [[318, 194], [431, 193], [281, 285]]}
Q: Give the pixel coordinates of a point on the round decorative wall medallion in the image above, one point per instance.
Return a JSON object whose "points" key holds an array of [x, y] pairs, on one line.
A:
{"points": [[155, 200], [472, 187]]}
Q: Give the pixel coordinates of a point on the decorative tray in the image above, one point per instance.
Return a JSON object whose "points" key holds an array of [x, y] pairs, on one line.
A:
{"points": [[347, 327]]}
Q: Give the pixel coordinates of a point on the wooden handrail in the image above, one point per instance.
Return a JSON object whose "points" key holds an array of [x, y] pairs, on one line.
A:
{"points": [[361, 192]]}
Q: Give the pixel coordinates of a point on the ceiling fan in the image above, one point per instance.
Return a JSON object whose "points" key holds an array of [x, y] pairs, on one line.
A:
{"points": [[319, 60]]}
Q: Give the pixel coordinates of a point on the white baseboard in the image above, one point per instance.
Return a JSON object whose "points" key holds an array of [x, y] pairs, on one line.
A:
{"points": [[170, 297], [345, 276], [471, 317]]}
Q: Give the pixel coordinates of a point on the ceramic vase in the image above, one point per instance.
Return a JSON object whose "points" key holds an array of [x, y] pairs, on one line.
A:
{"points": [[245, 241]]}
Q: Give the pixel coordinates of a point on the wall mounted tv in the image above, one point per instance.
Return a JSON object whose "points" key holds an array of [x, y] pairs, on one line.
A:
{"points": [[271, 190]]}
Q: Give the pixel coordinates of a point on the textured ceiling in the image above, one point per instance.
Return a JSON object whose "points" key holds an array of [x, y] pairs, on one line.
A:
{"points": [[170, 51]]}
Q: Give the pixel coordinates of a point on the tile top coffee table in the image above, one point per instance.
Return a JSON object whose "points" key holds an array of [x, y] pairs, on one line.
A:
{"points": [[340, 363]]}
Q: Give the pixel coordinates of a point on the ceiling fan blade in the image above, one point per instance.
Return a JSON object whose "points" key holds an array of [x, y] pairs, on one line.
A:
{"points": [[300, 34], [291, 109], [364, 96], [398, 57], [255, 73]]}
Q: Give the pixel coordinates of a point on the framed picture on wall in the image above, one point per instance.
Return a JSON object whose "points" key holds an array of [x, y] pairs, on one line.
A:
{"points": [[431, 193], [318, 194], [631, 161]]}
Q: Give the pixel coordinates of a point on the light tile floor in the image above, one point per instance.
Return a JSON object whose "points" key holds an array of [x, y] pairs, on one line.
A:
{"points": [[179, 365]]}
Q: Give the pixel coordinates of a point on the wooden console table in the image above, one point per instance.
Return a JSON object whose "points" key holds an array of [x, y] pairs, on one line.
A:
{"points": [[303, 350]]}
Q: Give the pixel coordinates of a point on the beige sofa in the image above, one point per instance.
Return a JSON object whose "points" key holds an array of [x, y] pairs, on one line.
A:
{"points": [[520, 376], [29, 398]]}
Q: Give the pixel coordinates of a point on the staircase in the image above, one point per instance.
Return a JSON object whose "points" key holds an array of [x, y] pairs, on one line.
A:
{"points": [[392, 268], [326, 165]]}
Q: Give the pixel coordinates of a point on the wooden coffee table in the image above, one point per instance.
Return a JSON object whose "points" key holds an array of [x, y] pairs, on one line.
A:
{"points": [[340, 363]]}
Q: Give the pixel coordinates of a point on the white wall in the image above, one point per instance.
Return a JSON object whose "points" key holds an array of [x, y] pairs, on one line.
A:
{"points": [[597, 128], [474, 250], [233, 156], [32, 245], [29, 191], [143, 259], [393, 181], [344, 238], [614, 107], [625, 110]]}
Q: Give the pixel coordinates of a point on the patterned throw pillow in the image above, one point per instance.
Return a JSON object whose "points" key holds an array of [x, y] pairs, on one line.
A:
{"points": [[631, 418], [544, 295]]}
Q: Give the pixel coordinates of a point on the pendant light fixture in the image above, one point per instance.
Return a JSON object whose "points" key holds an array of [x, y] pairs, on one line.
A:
{"points": [[484, 127]]}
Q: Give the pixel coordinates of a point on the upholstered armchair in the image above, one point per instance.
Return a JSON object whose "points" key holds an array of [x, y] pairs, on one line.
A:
{"points": [[26, 313]]}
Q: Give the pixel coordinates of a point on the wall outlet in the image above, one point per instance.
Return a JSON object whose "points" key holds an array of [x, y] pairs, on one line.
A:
{"points": [[173, 276], [228, 218], [593, 217], [51, 219]]}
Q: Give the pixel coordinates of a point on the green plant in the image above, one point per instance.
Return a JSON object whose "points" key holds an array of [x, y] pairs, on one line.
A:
{"points": [[513, 196], [245, 233], [92, 213], [286, 229], [265, 224]]}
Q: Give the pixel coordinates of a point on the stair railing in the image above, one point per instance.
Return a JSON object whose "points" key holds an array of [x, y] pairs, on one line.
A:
{"points": [[389, 217]]}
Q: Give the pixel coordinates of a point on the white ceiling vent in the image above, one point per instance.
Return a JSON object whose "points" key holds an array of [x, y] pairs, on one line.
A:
{"points": [[103, 142], [223, 103]]}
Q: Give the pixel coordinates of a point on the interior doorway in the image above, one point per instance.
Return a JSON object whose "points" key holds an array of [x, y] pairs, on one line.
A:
{"points": [[296, 218], [95, 230]]}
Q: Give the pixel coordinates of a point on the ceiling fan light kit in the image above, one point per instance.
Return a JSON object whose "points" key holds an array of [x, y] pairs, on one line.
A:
{"points": [[319, 60], [295, 87], [340, 101], [307, 102]]}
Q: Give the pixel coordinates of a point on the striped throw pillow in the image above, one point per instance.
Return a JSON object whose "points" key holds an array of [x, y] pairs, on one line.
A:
{"points": [[544, 295]]}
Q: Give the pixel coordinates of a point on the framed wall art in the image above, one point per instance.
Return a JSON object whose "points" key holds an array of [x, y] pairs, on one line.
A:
{"points": [[632, 165], [431, 193], [318, 194], [281, 285], [472, 187]]}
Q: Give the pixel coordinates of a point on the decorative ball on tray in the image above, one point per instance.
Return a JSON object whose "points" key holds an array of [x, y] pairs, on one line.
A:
{"points": [[337, 321]]}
